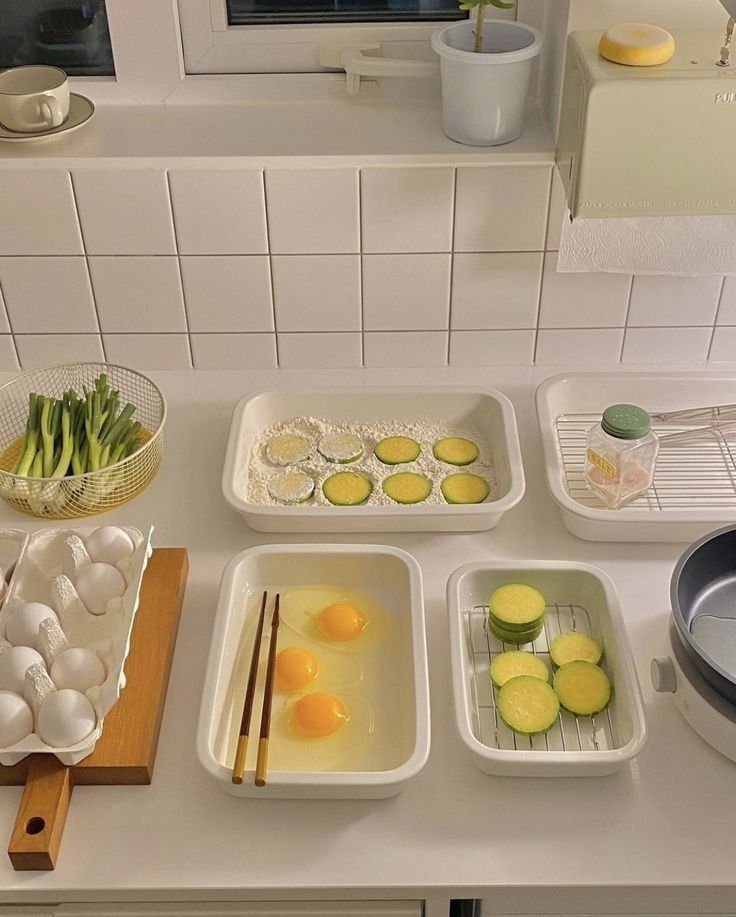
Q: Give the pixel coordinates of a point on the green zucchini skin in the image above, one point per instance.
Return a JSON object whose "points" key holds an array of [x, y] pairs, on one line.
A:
{"points": [[455, 450], [582, 688], [528, 705], [573, 645], [516, 605], [347, 488], [397, 450], [514, 636], [464, 488], [407, 487]]}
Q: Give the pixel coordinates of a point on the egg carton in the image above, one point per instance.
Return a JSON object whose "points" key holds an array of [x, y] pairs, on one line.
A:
{"points": [[49, 563]]}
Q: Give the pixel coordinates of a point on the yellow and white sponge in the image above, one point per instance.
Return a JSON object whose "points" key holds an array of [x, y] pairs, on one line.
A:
{"points": [[636, 44]]}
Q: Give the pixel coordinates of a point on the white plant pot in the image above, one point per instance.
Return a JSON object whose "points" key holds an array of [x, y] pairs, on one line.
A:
{"points": [[484, 94]]}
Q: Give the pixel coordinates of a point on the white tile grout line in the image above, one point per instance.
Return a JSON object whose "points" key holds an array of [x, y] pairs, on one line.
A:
{"points": [[544, 260], [715, 320], [270, 268], [360, 268], [10, 326], [452, 262], [86, 264], [626, 319], [178, 266]]}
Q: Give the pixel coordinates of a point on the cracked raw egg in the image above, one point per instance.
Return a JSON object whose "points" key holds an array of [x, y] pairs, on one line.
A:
{"points": [[318, 715], [295, 668], [346, 620], [341, 621]]}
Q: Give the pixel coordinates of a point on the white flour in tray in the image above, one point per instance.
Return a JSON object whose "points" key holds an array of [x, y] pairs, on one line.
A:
{"points": [[259, 470]]}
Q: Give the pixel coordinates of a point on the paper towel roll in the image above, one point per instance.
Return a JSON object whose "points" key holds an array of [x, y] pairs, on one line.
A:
{"points": [[679, 245]]}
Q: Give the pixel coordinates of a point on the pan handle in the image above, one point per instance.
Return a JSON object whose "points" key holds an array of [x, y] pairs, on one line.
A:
{"points": [[39, 826]]}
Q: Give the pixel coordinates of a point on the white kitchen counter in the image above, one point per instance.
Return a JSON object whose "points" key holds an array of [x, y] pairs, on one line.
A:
{"points": [[658, 837]]}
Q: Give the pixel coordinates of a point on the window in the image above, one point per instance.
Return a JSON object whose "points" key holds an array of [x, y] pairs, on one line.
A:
{"points": [[69, 34], [278, 36]]}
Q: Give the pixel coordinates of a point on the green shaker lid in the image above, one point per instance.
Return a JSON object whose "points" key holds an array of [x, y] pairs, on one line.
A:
{"points": [[626, 421]]}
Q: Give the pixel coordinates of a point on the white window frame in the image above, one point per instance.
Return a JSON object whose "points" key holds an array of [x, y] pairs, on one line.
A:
{"points": [[211, 45]]}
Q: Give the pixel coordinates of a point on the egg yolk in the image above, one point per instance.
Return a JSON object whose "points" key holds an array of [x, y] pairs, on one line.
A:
{"points": [[295, 668], [341, 621], [318, 715]]}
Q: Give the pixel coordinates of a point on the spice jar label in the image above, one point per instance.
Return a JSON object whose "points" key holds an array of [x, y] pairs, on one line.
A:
{"points": [[606, 467]]}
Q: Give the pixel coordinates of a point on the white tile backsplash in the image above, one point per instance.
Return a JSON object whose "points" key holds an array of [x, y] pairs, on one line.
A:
{"points": [[582, 300], [666, 345], [404, 348], [39, 350], [588, 346], [8, 356], [406, 292], [491, 348], [225, 266], [407, 210], [674, 300], [48, 295], [138, 294], [37, 214], [219, 212], [313, 211], [234, 351], [316, 292], [501, 208], [125, 212], [319, 351], [149, 351], [227, 292], [495, 289]]}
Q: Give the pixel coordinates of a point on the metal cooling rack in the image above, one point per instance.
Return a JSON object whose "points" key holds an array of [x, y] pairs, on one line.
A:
{"points": [[570, 732], [694, 476]]}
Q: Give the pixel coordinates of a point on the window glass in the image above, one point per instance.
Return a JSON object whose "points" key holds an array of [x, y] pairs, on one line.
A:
{"points": [[251, 12], [70, 34]]}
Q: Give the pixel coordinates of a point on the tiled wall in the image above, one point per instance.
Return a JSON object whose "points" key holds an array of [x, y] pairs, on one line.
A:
{"points": [[414, 266]]}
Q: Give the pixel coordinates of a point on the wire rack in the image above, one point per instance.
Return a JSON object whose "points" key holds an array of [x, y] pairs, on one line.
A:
{"points": [[693, 476], [570, 732]]}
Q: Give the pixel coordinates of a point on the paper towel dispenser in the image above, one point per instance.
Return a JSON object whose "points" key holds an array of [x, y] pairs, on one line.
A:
{"points": [[646, 141]]}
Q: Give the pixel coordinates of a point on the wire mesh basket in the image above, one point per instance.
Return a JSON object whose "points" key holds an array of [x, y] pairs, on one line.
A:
{"points": [[75, 496]]}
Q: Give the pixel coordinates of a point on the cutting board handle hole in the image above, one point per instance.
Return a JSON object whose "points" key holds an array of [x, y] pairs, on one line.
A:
{"points": [[35, 825]]}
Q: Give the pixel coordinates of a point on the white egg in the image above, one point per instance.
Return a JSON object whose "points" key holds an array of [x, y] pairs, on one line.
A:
{"points": [[13, 665], [109, 544], [66, 718], [97, 584], [16, 719], [77, 668], [23, 622]]}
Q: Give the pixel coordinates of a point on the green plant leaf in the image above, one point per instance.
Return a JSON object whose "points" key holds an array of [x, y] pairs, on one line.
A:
{"points": [[500, 4], [469, 4]]}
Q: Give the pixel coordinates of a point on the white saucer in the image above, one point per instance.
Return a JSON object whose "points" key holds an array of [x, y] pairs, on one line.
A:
{"points": [[80, 111]]}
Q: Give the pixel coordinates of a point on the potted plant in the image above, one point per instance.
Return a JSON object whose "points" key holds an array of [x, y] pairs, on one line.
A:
{"points": [[486, 69]]}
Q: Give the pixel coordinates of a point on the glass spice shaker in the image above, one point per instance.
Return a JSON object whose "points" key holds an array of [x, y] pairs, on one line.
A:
{"points": [[620, 455]]}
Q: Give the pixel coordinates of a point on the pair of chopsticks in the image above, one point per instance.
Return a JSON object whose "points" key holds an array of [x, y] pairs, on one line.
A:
{"points": [[262, 761]]}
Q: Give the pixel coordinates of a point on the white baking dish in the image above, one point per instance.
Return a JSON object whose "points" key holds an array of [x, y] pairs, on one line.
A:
{"points": [[694, 487], [579, 597], [488, 411], [387, 573]]}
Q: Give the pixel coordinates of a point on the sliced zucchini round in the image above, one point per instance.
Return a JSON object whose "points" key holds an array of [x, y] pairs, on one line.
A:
{"points": [[517, 637], [291, 487], [513, 663], [407, 487], [455, 450], [528, 705], [573, 645], [340, 447], [516, 604], [583, 688], [347, 488], [396, 450], [464, 488], [288, 448]]}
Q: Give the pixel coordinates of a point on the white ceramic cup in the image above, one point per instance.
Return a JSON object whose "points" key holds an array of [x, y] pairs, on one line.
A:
{"points": [[33, 98]]}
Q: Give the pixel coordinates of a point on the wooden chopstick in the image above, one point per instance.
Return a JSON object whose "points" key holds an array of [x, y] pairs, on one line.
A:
{"points": [[239, 765], [267, 699]]}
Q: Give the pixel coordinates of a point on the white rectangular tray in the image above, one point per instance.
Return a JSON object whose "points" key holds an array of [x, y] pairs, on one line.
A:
{"points": [[488, 411], [578, 597], [387, 572], [694, 488]]}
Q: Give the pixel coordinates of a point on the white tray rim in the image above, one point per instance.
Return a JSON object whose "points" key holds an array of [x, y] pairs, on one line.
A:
{"points": [[594, 760], [497, 507], [325, 779]]}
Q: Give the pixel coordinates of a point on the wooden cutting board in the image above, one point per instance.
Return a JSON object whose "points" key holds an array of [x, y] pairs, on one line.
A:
{"points": [[126, 751]]}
